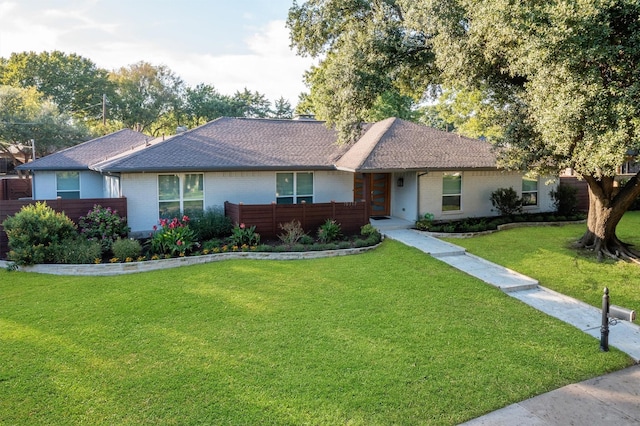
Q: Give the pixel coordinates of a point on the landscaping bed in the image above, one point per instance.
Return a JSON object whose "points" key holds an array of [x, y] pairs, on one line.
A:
{"points": [[482, 224]]}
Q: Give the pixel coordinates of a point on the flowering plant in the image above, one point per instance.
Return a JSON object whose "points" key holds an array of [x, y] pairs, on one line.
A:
{"points": [[242, 235], [103, 225], [174, 237]]}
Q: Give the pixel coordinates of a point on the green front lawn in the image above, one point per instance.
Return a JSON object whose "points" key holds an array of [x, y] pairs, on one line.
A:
{"points": [[391, 336], [546, 254]]}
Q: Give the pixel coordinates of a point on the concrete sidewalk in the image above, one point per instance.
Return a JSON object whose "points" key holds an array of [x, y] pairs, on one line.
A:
{"points": [[606, 400]]}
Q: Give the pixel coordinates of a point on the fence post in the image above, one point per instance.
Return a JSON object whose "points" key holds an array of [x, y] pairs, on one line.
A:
{"points": [[274, 219]]}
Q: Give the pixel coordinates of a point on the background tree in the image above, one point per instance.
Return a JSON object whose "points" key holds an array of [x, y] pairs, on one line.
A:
{"points": [[204, 103], [563, 77], [25, 114], [251, 104], [75, 84], [148, 98], [282, 109]]}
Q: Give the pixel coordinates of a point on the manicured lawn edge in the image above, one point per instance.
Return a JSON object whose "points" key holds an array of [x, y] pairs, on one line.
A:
{"points": [[109, 269]]}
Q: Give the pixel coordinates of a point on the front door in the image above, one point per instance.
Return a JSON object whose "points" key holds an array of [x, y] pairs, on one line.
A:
{"points": [[378, 186]]}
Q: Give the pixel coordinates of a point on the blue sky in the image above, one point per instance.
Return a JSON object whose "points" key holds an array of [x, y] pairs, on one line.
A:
{"points": [[228, 44]]}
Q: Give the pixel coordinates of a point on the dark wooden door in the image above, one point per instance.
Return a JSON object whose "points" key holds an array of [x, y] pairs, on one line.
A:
{"points": [[378, 184]]}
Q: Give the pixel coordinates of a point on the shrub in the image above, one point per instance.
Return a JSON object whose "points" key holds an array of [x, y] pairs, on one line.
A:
{"points": [[293, 232], [104, 226], [173, 238], [210, 223], [34, 231], [506, 200], [126, 247], [425, 222], [241, 235], [565, 199], [306, 239], [329, 231], [76, 250], [371, 234]]}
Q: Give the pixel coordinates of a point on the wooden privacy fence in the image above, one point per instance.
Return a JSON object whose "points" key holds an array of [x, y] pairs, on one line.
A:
{"points": [[74, 209], [582, 188], [268, 217], [13, 189]]}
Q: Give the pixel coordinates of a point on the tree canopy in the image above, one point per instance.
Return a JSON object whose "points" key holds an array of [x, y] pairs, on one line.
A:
{"points": [[561, 78]]}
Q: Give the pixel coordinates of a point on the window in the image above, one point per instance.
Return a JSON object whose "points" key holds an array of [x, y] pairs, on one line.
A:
{"points": [[294, 188], [529, 192], [179, 194], [68, 185], [451, 192]]}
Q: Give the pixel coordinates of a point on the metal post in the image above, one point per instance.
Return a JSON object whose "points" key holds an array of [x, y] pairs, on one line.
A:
{"points": [[604, 328]]}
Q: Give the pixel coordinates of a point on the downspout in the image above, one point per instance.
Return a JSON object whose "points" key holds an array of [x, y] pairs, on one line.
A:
{"points": [[419, 175]]}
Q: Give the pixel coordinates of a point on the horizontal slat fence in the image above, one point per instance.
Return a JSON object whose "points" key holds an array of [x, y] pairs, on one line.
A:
{"points": [[14, 189], [74, 209], [268, 217], [583, 191]]}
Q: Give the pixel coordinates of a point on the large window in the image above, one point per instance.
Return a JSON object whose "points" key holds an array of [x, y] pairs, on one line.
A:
{"points": [[451, 192], [68, 185], [529, 192], [294, 188], [180, 193]]}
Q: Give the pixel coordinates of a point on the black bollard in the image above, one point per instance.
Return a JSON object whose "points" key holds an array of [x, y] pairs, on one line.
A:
{"points": [[604, 328]]}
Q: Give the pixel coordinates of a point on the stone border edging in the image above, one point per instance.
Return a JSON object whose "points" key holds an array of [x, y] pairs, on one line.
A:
{"points": [[110, 269], [504, 227]]}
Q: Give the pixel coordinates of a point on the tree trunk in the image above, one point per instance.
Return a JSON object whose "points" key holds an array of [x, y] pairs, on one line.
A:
{"points": [[607, 205]]}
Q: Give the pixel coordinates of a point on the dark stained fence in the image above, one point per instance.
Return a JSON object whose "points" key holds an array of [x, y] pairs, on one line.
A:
{"points": [[583, 191], [74, 209], [14, 189], [267, 218]]}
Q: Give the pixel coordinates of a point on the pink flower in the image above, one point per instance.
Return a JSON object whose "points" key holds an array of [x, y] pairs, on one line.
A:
{"points": [[185, 218], [155, 228], [242, 226], [179, 242]]}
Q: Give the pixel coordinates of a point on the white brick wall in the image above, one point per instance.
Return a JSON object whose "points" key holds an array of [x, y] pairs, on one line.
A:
{"points": [[476, 192]]}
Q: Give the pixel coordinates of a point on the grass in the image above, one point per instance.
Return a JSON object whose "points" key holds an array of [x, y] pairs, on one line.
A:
{"points": [[546, 254], [391, 336]]}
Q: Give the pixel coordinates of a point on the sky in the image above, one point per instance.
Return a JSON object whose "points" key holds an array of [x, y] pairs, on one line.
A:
{"points": [[231, 45]]}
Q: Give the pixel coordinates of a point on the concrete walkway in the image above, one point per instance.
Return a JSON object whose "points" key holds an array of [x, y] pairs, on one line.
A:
{"points": [[606, 400]]}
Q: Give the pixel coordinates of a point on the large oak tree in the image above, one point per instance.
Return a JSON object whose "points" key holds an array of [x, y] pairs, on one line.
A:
{"points": [[564, 77]]}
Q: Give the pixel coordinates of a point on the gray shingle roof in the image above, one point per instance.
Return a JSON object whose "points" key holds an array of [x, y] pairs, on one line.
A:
{"points": [[82, 156], [239, 144], [229, 144], [395, 144]]}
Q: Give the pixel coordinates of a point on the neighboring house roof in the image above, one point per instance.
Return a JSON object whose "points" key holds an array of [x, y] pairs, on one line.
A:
{"points": [[86, 154], [228, 144]]}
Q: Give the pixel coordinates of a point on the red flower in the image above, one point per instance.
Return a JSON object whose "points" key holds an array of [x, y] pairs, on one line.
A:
{"points": [[185, 218], [179, 242], [155, 228]]}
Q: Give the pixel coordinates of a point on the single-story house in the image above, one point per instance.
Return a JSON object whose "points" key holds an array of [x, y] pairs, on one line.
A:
{"points": [[399, 168]]}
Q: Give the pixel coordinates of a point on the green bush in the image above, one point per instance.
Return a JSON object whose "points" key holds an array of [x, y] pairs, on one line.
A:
{"points": [[565, 199], [244, 235], [329, 231], [174, 237], [124, 248], [76, 251], [103, 225], [210, 223], [507, 201], [34, 231]]}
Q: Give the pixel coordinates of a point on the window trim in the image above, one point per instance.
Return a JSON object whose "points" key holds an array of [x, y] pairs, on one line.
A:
{"points": [[459, 195], [295, 196], [68, 191], [181, 196], [536, 193]]}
